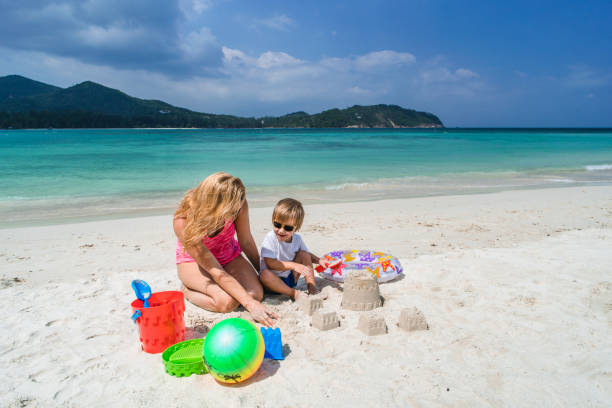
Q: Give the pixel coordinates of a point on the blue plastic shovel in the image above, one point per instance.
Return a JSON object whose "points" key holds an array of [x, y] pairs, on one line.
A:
{"points": [[142, 290]]}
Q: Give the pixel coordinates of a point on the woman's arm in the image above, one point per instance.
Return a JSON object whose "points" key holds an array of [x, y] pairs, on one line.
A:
{"points": [[245, 238], [207, 260]]}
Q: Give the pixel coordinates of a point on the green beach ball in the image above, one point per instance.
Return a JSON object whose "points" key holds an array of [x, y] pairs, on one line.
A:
{"points": [[233, 350]]}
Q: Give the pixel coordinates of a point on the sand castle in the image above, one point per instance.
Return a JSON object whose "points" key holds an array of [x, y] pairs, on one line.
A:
{"points": [[310, 304], [325, 320], [372, 324], [412, 319], [361, 291]]}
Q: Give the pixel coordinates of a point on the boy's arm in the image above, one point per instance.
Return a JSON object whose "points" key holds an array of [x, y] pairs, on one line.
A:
{"points": [[277, 265], [315, 259], [321, 261]]}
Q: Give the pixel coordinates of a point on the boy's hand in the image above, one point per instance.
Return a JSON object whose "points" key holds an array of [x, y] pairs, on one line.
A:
{"points": [[324, 263], [303, 270], [312, 289]]}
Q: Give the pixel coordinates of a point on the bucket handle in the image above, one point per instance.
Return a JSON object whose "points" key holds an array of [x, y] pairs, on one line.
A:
{"points": [[136, 315]]}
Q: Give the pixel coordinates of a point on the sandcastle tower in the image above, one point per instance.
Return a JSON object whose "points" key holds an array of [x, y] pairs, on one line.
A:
{"points": [[361, 291]]}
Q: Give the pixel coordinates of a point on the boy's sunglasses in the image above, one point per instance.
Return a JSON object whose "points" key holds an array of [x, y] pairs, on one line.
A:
{"points": [[287, 228]]}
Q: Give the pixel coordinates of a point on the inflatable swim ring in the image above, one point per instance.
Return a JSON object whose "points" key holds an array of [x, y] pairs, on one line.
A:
{"points": [[384, 266]]}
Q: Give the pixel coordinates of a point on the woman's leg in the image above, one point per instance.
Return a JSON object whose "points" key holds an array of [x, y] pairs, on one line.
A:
{"points": [[201, 290], [243, 271]]}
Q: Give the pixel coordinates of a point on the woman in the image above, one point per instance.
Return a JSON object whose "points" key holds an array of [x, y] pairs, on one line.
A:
{"points": [[210, 265]]}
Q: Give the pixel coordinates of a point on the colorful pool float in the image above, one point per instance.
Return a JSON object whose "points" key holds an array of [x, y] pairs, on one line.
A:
{"points": [[384, 266]]}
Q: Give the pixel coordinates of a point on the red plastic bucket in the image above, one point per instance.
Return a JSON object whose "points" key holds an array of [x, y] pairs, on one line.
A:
{"points": [[162, 324]]}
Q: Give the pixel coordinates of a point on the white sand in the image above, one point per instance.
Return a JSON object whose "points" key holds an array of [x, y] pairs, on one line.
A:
{"points": [[516, 288]]}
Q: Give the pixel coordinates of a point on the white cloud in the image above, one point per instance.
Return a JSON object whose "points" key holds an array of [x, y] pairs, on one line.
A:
{"points": [[272, 59], [200, 5], [437, 82], [194, 8], [337, 64], [462, 73], [358, 90], [232, 57], [124, 35], [96, 36], [385, 58], [270, 83], [198, 43], [278, 22], [443, 74], [584, 77], [57, 12]]}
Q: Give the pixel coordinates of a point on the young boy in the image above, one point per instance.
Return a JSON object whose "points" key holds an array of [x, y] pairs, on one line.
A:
{"points": [[284, 256]]}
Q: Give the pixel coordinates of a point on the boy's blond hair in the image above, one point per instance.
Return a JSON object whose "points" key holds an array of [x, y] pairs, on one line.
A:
{"points": [[289, 211], [218, 197]]}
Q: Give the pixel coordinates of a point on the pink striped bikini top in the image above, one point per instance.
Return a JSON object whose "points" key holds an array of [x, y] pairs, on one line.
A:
{"points": [[223, 246]]}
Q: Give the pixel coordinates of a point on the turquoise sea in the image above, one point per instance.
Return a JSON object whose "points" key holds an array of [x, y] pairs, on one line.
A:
{"points": [[54, 176]]}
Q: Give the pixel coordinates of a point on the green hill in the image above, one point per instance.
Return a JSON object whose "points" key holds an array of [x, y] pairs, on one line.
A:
{"points": [[86, 97], [16, 86], [25, 103]]}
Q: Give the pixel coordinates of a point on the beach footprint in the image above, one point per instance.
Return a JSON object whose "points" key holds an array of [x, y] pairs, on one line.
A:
{"points": [[600, 299], [9, 282]]}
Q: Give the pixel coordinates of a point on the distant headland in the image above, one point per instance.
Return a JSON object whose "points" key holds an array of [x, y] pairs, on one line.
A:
{"points": [[25, 103]]}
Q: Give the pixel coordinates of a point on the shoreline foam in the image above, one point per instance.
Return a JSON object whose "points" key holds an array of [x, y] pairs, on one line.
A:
{"points": [[65, 210]]}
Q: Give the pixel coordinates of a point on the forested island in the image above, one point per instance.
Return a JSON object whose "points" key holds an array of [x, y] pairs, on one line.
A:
{"points": [[25, 103]]}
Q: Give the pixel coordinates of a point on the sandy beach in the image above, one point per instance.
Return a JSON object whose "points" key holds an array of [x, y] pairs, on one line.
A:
{"points": [[516, 288]]}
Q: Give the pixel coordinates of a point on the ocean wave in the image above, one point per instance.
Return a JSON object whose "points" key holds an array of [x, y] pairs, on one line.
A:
{"points": [[455, 182], [383, 183], [348, 186], [559, 180], [598, 167], [15, 198]]}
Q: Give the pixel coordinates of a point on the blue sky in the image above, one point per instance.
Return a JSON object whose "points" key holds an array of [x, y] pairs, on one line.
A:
{"points": [[473, 63]]}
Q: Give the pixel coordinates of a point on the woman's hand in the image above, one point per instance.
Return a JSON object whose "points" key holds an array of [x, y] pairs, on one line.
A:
{"points": [[260, 314]]}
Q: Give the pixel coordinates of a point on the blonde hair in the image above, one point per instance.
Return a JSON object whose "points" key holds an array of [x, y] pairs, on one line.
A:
{"points": [[289, 211], [218, 197]]}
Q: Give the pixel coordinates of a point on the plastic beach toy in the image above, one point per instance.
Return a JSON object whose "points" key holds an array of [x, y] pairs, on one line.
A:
{"points": [[162, 324], [273, 342], [384, 266], [142, 290], [233, 350], [184, 358]]}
